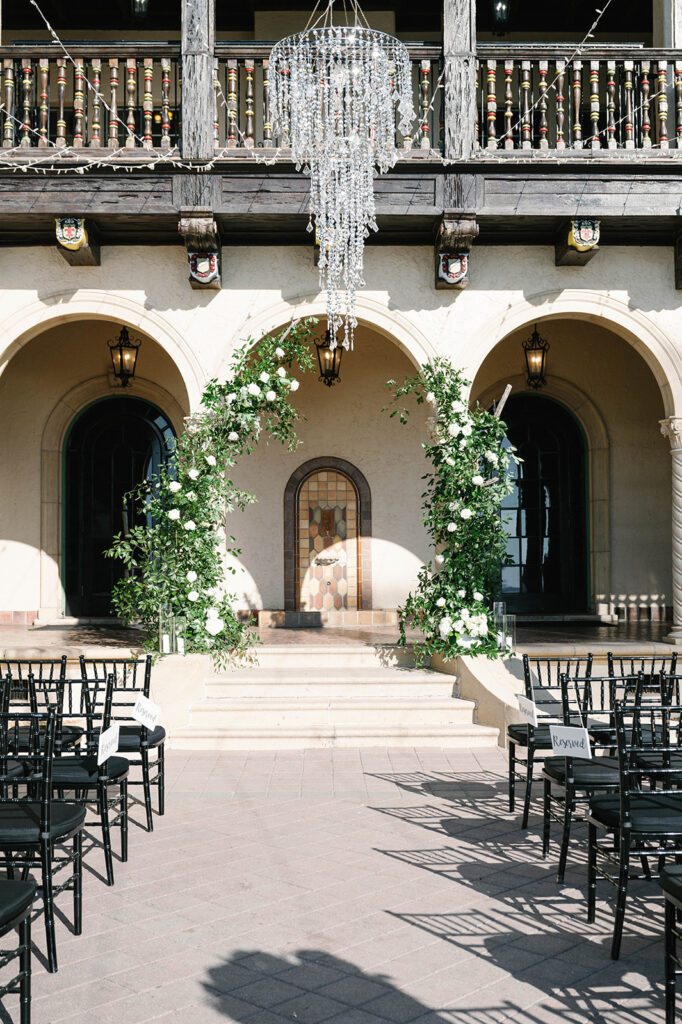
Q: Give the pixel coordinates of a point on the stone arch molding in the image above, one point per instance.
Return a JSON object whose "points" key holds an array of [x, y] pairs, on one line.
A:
{"points": [[653, 345], [21, 327], [391, 324], [63, 414], [599, 473]]}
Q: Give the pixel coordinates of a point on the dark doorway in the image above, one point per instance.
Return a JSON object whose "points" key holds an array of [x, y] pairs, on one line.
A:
{"points": [[545, 515], [112, 446]]}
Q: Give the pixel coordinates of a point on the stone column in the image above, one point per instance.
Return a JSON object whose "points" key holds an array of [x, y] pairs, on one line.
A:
{"points": [[198, 91], [672, 429]]}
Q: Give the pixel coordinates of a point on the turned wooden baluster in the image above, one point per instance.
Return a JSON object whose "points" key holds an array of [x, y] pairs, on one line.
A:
{"points": [[249, 104], [78, 103], [27, 91], [44, 109], [508, 103], [577, 104], [96, 129], [131, 91], [232, 103], [628, 67], [165, 102], [526, 141], [424, 101], [113, 103], [560, 72], [595, 141], [646, 106], [8, 92], [478, 99], [61, 87], [543, 127], [148, 101], [678, 103], [491, 104], [662, 103], [267, 122], [611, 104], [216, 106]]}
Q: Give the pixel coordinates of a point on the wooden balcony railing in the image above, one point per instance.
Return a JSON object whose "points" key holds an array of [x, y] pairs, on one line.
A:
{"points": [[609, 98], [46, 100]]}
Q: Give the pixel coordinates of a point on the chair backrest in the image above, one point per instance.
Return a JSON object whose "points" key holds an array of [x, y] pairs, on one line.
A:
{"points": [[44, 670], [130, 678], [27, 744], [542, 679], [650, 666], [649, 740], [590, 702], [671, 688]]}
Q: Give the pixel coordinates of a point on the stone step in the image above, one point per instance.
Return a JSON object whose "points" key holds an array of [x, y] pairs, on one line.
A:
{"points": [[331, 656], [355, 681]]}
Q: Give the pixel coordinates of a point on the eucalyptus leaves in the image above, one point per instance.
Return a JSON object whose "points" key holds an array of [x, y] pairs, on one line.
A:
{"points": [[461, 511], [174, 556]]}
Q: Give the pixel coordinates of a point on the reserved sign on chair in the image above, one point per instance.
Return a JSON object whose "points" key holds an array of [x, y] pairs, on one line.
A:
{"points": [[108, 743], [528, 710], [570, 741], [146, 712]]}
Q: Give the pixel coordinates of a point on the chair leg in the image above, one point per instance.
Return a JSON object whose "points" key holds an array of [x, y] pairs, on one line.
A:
{"points": [[124, 820], [48, 904], [106, 832], [546, 803], [569, 808], [25, 968], [670, 953], [621, 897], [529, 787], [147, 788], [512, 775], [591, 872], [78, 883], [162, 780]]}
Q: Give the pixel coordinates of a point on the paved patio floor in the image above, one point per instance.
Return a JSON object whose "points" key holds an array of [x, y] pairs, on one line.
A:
{"points": [[347, 886]]}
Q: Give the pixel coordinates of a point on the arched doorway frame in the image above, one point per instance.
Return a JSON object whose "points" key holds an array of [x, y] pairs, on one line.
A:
{"points": [[55, 432], [291, 493]]}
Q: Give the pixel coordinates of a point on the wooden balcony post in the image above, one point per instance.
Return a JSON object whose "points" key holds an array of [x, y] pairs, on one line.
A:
{"points": [[459, 54], [198, 89]]}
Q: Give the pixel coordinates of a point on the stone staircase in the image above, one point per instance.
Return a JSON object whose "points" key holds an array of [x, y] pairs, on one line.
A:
{"points": [[350, 694]]}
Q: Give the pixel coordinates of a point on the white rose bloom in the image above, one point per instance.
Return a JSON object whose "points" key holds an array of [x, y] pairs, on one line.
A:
{"points": [[453, 506], [466, 513], [461, 593], [441, 602], [191, 495], [279, 352], [174, 514], [445, 627], [193, 474], [458, 406], [214, 626], [271, 396], [231, 398], [212, 613], [281, 372], [191, 576], [439, 559], [253, 389], [452, 527], [460, 626], [430, 398], [211, 460], [454, 429], [462, 443], [190, 525], [466, 430], [265, 377], [491, 457], [477, 481], [294, 384], [450, 461], [193, 596], [174, 487], [233, 436], [478, 596]]}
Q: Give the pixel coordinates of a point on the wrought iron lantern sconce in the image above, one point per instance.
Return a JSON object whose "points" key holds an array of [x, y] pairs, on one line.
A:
{"points": [[123, 351], [329, 360], [535, 350], [139, 9], [501, 16]]}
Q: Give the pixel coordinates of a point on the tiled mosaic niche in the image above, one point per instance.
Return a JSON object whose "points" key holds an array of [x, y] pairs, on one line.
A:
{"points": [[328, 549]]}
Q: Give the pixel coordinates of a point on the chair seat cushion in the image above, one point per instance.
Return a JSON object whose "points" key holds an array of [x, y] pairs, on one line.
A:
{"points": [[15, 898], [20, 823], [650, 813], [71, 734], [540, 733], [82, 771], [670, 880], [587, 772], [130, 738]]}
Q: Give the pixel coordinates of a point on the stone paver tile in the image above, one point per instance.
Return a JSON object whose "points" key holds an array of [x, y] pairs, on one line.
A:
{"points": [[310, 1008], [267, 992]]}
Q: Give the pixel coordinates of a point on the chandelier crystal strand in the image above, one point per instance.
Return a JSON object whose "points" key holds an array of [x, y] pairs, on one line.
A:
{"points": [[334, 92]]}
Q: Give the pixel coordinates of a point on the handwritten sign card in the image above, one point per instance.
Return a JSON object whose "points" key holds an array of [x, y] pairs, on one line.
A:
{"points": [[108, 743], [146, 712], [528, 710], [570, 741]]}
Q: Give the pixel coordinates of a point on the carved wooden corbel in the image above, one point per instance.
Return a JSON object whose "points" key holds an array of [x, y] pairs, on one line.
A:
{"points": [[77, 241], [577, 242], [200, 233], [454, 239]]}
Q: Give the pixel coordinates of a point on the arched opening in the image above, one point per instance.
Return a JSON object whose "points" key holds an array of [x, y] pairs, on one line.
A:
{"points": [[546, 513], [112, 446]]}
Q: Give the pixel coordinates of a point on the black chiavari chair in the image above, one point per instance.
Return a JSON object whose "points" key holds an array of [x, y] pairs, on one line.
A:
{"points": [[16, 899]]}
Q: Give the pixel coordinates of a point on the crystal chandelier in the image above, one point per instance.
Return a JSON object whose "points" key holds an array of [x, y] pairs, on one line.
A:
{"points": [[335, 90]]}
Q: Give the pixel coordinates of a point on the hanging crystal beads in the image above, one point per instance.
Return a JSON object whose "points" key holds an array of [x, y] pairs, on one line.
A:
{"points": [[335, 90]]}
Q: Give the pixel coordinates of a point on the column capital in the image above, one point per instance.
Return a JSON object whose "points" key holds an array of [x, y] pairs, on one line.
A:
{"points": [[672, 429]]}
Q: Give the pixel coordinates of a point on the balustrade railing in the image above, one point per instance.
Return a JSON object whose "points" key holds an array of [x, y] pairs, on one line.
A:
{"points": [[242, 90], [110, 96], [608, 98]]}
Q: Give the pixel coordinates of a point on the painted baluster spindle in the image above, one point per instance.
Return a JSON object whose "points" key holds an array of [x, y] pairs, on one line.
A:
{"points": [[113, 103], [61, 88], [131, 101], [491, 104], [249, 104], [78, 103], [27, 93], [96, 81], [543, 127], [508, 103], [628, 67], [44, 108], [478, 99], [267, 122], [424, 101], [526, 126], [662, 103], [678, 103], [216, 105], [577, 89], [595, 141], [148, 101], [165, 102], [611, 104], [560, 82], [232, 103], [8, 93], [646, 105]]}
